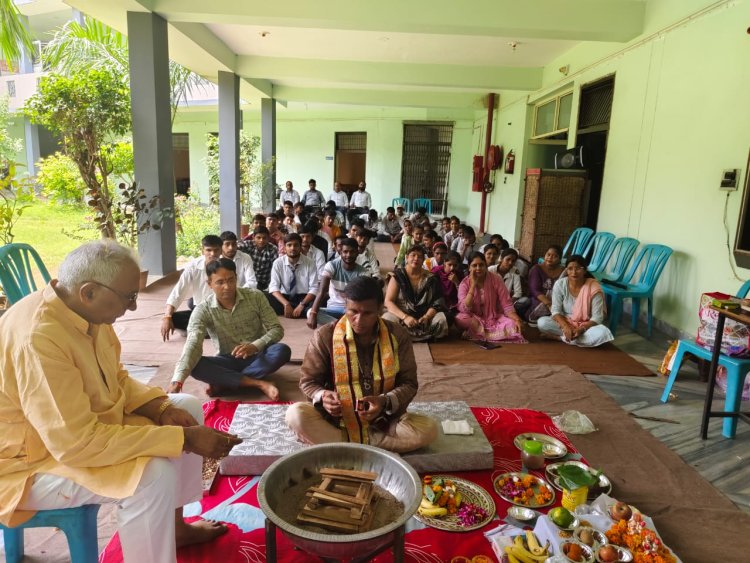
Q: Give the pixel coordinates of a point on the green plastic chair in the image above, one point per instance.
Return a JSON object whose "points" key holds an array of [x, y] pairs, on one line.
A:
{"points": [[616, 261], [17, 262], [578, 241], [637, 284], [597, 249], [422, 202], [403, 202]]}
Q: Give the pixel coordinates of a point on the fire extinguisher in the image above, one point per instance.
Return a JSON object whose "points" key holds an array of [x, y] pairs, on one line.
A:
{"points": [[510, 162]]}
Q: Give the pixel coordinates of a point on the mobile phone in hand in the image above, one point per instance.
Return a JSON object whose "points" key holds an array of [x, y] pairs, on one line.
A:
{"points": [[487, 345], [361, 405]]}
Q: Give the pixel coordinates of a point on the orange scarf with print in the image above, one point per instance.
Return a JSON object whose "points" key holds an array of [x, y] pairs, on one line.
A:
{"points": [[347, 372]]}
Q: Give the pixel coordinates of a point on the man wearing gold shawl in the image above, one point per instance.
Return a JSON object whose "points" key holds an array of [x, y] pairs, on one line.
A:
{"points": [[360, 376]]}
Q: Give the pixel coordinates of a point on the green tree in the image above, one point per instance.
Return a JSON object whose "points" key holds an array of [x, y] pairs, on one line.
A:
{"points": [[8, 145], [77, 47], [14, 35], [60, 180], [252, 172], [15, 196], [88, 109]]}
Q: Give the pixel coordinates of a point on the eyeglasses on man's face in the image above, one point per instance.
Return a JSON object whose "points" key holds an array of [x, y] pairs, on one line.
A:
{"points": [[129, 298]]}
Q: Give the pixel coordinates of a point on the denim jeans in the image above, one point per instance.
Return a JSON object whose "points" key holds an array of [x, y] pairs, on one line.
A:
{"points": [[225, 370]]}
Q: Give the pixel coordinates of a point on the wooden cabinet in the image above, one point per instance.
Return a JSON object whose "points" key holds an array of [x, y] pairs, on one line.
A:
{"points": [[553, 206]]}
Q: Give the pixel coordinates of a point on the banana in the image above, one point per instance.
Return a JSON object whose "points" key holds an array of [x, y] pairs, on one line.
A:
{"points": [[522, 555], [433, 512], [511, 558], [426, 504], [518, 540], [534, 546], [527, 557]]}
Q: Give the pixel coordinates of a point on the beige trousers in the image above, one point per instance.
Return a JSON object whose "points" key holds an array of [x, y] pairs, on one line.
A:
{"points": [[409, 432]]}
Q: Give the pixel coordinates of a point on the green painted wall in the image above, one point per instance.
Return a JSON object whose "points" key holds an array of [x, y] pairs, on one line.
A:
{"points": [[304, 138], [679, 118]]}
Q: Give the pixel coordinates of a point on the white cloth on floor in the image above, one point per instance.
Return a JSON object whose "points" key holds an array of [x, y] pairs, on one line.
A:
{"points": [[461, 427]]}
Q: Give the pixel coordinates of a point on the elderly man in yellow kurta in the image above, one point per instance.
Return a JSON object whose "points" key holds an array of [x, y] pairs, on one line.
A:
{"points": [[75, 429]]}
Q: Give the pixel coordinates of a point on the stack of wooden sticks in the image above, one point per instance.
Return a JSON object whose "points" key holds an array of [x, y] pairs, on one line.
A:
{"points": [[344, 501]]}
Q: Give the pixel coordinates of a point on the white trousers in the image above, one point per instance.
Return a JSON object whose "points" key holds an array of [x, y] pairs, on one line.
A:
{"points": [[145, 520], [595, 336]]}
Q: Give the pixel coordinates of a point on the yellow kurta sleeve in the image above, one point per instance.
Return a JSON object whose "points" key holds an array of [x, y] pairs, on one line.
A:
{"points": [[56, 402]]}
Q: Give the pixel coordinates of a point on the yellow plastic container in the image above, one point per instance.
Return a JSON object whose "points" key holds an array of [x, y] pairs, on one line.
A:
{"points": [[571, 499]]}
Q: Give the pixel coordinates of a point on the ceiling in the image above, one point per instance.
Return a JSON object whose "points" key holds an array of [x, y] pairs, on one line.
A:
{"points": [[418, 53]]}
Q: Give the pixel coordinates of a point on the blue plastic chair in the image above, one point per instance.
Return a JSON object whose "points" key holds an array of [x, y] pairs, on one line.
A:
{"points": [[422, 202], [78, 524], [617, 259], [737, 370], [403, 202], [17, 271], [596, 250], [652, 258], [577, 242]]}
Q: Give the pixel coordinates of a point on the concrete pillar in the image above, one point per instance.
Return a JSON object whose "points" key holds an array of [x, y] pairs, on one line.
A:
{"points": [[31, 134], [229, 152], [268, 151], [152, 132]]}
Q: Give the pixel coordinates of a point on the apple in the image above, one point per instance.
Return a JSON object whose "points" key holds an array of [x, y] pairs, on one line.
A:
{"points": [[608, 554], [620, 511]]}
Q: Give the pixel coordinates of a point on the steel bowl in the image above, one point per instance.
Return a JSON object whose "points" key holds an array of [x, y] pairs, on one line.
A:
{"points": [[394, 475]]}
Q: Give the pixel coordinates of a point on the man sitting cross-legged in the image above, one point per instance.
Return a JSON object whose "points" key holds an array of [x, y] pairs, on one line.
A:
{"points": [[337, 274], [245, 331], [360, 361], [76, 429], [294, 281]]}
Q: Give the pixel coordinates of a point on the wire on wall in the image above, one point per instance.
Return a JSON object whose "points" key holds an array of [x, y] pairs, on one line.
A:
{"points": [[729, 246]]}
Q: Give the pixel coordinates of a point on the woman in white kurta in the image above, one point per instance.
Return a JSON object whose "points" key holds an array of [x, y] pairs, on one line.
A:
{"points": [[578, 308]]}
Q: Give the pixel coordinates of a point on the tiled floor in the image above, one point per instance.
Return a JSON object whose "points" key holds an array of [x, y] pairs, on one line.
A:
{"points": [[721, 461]]}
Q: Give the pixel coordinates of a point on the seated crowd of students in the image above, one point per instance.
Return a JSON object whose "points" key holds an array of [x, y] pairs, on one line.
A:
{"points": [[303, 255]]}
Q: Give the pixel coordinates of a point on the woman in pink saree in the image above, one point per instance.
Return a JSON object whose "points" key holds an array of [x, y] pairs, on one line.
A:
{"points": [[486, 311]]}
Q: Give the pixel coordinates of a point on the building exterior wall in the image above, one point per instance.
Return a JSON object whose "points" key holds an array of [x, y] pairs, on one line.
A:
{"points": [[679, 118]]}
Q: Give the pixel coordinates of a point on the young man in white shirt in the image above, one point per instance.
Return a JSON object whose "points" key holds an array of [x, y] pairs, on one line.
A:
{"points": [[359, 203], [294, 281], [244, 264], [193, 283], [339, 197], [306, 234]]}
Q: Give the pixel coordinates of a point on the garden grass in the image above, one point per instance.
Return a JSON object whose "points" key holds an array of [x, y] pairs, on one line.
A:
{"points": [[42, 224]]}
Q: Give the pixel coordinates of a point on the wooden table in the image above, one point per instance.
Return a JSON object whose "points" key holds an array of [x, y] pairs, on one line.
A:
{"points": [[723, 314]]}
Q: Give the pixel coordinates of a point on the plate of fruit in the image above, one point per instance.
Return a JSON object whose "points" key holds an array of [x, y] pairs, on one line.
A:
{"points": [[454, 504], [523, 489], [526, 547]]}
